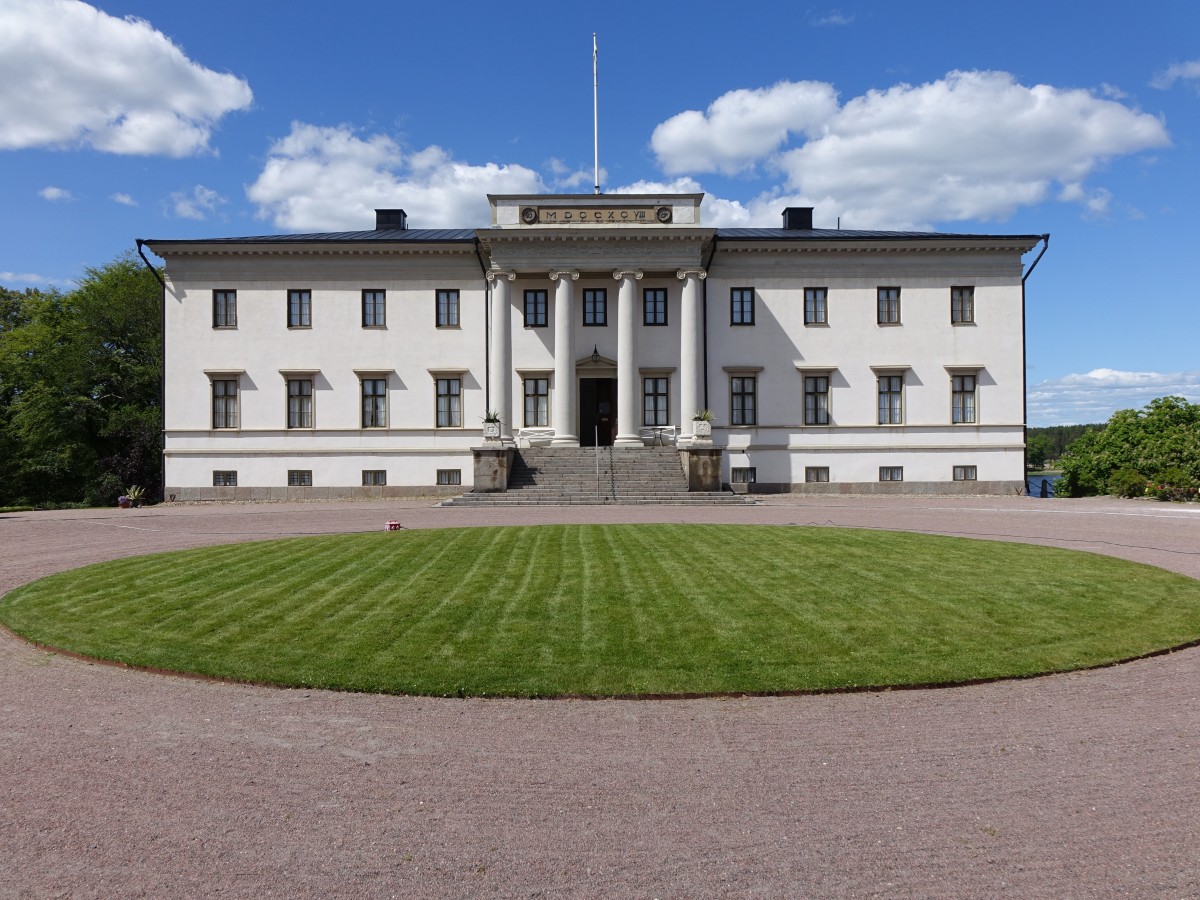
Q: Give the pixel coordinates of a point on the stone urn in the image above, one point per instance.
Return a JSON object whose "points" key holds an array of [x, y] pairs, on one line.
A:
{"points": [[702, 430], [491, 431]]}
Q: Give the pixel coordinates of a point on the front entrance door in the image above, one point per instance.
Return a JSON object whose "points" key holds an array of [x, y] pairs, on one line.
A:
{"points": [[597, 411]]}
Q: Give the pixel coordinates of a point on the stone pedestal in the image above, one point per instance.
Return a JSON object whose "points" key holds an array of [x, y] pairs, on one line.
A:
{"points": [[703, 467], [492, 465]]}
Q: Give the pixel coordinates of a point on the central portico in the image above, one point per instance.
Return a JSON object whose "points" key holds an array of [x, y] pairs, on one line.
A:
{"points": [[648, 250]]}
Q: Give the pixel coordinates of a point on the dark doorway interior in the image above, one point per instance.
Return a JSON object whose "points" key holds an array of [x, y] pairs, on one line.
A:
{"points": [[597, 411]]}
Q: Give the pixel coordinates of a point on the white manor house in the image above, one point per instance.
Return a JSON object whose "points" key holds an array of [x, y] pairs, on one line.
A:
{"points": [[364, 363]]}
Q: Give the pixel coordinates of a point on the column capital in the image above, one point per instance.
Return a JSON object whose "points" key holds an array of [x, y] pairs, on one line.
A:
{"points": [[501, 273], [622, 273], [694, 273], [556, 274]]}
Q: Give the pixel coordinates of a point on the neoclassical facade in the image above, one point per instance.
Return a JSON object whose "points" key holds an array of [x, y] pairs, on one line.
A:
{"points": [[364, 363]]}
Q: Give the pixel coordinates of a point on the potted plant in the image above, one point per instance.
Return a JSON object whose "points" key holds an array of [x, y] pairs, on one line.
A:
{"points": [[134, 494], [702, 424], [491, 425]]}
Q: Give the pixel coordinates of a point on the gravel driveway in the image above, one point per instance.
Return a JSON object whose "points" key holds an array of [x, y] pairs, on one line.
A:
{"points": [[117, 783]]}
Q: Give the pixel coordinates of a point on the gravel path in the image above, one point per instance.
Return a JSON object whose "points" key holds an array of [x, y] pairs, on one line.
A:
{"points": [[123, 783]]}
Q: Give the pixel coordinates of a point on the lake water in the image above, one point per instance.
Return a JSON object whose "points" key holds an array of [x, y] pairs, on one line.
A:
{"points": [[1033, 484]]}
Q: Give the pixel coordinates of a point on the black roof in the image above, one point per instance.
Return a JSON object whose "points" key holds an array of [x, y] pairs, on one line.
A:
{"points": [[378, 236], [832, 234]]}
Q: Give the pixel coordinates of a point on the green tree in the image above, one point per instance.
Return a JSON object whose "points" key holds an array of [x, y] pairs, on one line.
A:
{"points": [[80, 378], [1163, 437], [1038, 450]]}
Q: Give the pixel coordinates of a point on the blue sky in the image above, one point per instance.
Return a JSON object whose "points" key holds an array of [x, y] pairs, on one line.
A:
{"points": [[121, 120]]}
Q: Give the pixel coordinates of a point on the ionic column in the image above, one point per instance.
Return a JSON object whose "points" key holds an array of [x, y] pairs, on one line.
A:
{"points": [[564, 358], [691, 349], [629, 394], [500, 349]]}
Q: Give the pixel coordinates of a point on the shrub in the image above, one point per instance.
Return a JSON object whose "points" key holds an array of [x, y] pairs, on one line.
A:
{"points": [[1172, 484], [1127, 483]]}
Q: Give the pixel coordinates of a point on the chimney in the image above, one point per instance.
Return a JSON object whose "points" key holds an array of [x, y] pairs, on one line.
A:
{"points": [[391, 220], [798, 218]]}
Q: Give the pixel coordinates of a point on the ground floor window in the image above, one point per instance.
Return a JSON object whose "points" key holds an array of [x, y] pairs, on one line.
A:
{"points": [[224, 478], [891, 399], [654, 402], [962, 407], [744, 475], [374, 477], [224, 403], [300, 403], [816, 474], [449, 476], [816, 399], [449, 403], [743, 401], [891, 473], [374, 403], [299, 477], [964, 473], [537, 402]]}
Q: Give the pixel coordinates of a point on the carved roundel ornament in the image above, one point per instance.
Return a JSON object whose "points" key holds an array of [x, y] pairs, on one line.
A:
{"points": [[529, 215], [663, 214]]}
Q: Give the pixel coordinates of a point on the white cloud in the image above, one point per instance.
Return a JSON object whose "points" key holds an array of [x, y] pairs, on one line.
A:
{"points": [[1094, 396], [741, 127], [56, 194], [834, 17], [319, 179], [1188, 71], [73, 75], [123, 199], [198, 204], [9, 278], [973, 145]]}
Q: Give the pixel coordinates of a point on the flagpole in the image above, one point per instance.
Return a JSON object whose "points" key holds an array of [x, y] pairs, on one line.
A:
{"points": [[595, 110]]}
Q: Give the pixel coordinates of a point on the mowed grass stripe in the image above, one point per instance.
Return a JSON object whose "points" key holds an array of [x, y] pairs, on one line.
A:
{"points": [[612, 609]]}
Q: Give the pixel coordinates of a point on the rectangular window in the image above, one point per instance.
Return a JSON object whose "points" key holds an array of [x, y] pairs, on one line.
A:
{"points": [[535, 309], [374, 309], [299, 309], [447, 309], [224, 403], [595, 306], [891, 399], [537, 402], [816, 474], [743, 475], [449, 403], [374, 403], [224, 478], [224, 309], [654, 402], [964, 473], [816, 311], [816, 399], [374, 477], [654, 306], [299, 477], [741, 306], [962, 403], [891, 473], [300, 403], [743, 403], [889, 306], [449, 476], [962, 305]]}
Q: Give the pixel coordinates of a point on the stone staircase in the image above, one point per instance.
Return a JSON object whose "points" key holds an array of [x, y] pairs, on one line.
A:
{"points": [[567, 476]]}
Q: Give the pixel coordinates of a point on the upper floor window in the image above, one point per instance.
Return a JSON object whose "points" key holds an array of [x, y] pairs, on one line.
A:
{"points": [[816, 399], [224, 403], [535, 308], [299, 309], [654, 306], [595, 306], [891, 399], [374, 309], [741, 306], [743, 407], [224, 309], [300, 403], [888, 301], [449, 403], [816, 310], [374, 403], [962, 305], [447, 309], [962, 403]]}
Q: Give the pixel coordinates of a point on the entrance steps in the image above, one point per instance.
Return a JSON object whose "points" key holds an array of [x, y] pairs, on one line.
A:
{"points": [[571, 476]]}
